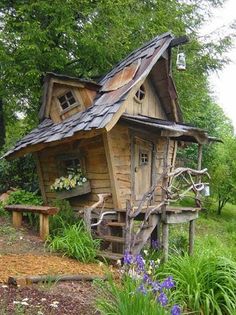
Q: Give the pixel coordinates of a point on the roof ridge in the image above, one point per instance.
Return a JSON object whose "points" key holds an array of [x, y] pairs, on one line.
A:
{"points": [[158, 37]]}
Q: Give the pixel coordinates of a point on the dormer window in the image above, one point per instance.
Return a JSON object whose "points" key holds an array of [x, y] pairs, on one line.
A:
{"points": [[67, 100]]}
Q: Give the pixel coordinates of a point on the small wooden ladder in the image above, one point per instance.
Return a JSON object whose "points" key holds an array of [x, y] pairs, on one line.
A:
{"points": [[117, 236]]}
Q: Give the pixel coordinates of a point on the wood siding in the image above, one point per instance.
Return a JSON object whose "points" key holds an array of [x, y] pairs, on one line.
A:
{"points": [[121, 156], [93, 153], [149, 106]]}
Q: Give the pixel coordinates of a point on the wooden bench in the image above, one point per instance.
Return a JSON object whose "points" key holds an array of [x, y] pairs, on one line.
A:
{"points": [[44, 213]]}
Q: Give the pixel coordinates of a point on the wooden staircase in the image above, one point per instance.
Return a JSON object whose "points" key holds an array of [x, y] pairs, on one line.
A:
{"points": [[117, 237]]}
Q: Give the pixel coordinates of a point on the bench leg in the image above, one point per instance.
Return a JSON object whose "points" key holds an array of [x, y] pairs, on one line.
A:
{"points": [[16, 219], [44, 226]]}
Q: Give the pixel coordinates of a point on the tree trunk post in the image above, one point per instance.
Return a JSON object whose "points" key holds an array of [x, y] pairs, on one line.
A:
{"points": [[165, 241], [191, 236]]}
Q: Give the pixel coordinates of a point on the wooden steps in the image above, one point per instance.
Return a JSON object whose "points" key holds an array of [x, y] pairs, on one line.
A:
{"points": [[109, 255], [116, 224], [113, 239]]}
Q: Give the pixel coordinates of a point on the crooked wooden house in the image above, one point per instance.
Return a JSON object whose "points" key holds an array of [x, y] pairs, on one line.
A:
{"points": [[123, 133]]}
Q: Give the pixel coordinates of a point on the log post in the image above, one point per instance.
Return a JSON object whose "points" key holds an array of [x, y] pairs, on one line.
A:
{"points": [[44, 226], [16, 219], [159, 232], [165, 177], [165, 241], [199, 163], [191, 236]]}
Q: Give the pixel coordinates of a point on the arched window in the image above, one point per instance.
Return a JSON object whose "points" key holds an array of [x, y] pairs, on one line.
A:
{"points": [[140, 94]]}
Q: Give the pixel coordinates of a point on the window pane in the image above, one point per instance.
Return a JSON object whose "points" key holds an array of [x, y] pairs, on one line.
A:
{"points": [[64, 105], [62, 99], [71, 100], [69, 95]]}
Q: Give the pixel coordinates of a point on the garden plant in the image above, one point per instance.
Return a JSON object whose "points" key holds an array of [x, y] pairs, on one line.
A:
{"points": [[139, 291]]}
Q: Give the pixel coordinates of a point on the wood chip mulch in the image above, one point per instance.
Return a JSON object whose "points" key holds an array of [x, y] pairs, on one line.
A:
{"points": [[26, 264]]}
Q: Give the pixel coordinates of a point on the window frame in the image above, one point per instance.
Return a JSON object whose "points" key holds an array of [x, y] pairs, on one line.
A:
{"points": [[67, 109], [143, 92], [146, 153], [62, 159]]}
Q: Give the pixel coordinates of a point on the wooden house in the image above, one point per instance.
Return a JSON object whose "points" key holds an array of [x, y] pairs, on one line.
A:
{"points": [[122, 132]]}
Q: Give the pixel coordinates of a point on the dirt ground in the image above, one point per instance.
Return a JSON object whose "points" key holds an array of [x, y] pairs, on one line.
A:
{"points": [[23, 253]]}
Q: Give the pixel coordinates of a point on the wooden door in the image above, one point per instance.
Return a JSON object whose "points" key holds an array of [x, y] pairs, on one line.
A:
{"points": [[142, 167]]}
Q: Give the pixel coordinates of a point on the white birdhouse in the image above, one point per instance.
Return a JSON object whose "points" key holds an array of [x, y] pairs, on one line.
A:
{"points": [[181, 61]]}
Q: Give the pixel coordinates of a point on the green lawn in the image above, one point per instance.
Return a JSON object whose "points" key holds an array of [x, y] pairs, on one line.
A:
{"points": [[214, 233]]}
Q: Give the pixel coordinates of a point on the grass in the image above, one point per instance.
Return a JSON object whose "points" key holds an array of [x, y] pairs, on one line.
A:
{"points": [[75, 242], [205, 284], [9, 233], [214, 233]]}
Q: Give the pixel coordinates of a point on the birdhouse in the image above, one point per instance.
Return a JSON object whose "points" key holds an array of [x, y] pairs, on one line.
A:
{"points": [[181, 61]]}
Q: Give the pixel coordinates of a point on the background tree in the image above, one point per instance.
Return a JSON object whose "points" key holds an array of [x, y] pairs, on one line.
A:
{"points": [[223, 170]]}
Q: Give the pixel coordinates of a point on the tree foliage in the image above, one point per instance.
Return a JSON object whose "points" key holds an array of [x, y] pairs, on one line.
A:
{"points": [[86, 38], [223, 170]]}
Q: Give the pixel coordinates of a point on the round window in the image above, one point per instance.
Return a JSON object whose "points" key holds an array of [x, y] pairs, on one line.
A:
{"points": [[140, 94]]}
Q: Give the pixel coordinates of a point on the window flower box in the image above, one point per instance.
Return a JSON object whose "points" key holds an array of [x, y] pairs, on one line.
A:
{"points": [[71, 186], [77, 191]]}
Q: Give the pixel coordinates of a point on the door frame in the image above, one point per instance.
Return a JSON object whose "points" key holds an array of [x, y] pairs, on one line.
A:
{"points": [[146, 136]]}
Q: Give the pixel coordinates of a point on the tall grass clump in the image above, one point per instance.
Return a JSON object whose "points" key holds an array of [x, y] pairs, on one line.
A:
{"points": [[205, 284], [75, 242], [65, 217]]}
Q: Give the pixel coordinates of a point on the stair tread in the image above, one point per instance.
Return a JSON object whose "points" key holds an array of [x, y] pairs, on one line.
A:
{"points": [[110, 223], [110, 255], [112, 238], [117, 239]]}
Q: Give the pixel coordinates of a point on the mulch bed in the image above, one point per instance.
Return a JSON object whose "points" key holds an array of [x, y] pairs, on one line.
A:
{"points": [[23, 264], [54, 301], [22, 253]]}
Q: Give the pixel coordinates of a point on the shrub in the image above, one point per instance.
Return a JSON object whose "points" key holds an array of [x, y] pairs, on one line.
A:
{"points": [[24, 197], [75, 242], [138, 293], [65, 217], [20, 172], [27, 198], [3, 212], [205, 284]]}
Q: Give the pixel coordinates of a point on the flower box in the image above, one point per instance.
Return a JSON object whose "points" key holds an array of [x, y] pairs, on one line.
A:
{"points": [[77, 191]]}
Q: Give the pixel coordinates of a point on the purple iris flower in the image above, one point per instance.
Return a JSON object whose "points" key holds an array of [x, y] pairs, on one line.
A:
{"points": [[128, 258], [142, 289], [156, 286], [162, 298], [168, 283], [140, 262], [146, 278], [175, 310]]}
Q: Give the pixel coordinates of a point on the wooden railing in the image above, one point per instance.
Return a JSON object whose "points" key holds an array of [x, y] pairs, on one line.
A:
{"points": [[179, 183]]}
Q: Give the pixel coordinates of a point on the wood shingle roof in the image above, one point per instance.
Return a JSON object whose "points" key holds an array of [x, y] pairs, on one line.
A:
{"points": [[108, 100]]}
